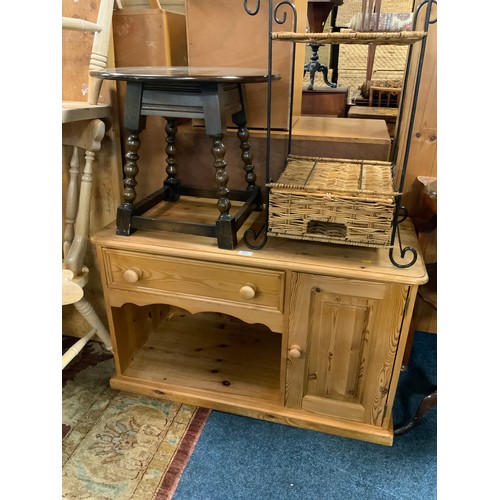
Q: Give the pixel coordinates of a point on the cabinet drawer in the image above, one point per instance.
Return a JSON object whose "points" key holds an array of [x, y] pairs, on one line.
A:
{"points": [[170, 275]]}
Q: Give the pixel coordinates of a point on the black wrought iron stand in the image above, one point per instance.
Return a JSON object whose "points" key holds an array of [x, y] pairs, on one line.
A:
{"points": [[400, 212]]}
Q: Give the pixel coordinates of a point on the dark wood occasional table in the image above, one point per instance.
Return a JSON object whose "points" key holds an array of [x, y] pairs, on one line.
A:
{"points": [[209, 93], [317, 14]]}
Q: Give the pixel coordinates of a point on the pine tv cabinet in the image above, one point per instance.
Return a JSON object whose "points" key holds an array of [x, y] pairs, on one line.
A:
{"points": [[306, 334]]}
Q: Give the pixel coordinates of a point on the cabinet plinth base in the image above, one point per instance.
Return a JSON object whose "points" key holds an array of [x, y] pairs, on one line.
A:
{"points": [[268, 412]]}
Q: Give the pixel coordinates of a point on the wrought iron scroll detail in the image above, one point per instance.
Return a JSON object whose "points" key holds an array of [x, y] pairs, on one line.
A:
{"points": [[400, 215], [282, 20], [252, 234], [415, 16], [403, 252], [250, 11]]}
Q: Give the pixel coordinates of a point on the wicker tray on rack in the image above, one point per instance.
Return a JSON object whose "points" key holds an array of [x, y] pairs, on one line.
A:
{"points": [[350, 202]]}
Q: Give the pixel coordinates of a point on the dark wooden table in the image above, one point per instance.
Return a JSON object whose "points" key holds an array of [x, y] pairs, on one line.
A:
{"points": [[209, 93], [317, 15]]}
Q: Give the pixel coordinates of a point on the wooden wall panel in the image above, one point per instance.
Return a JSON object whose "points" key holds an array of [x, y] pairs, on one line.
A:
{"points": [[422, 159], [222, 34]]}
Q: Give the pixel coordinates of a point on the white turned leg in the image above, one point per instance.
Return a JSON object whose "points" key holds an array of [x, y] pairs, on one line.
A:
{"points": [[71, 201], [84, 307], [76, 254], [72, 352]]}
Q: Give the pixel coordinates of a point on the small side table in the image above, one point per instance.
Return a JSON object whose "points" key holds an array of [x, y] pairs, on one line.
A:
{"points": [[210, 93], [317, 14]]}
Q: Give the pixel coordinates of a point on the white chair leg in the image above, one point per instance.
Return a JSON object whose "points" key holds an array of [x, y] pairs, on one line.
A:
{"points": [[90, 138], [76, 253], [73, 351], [71, 201], [84, 307]]}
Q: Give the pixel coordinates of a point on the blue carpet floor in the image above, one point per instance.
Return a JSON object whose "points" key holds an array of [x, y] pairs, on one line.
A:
{"points": [[243, 458]]}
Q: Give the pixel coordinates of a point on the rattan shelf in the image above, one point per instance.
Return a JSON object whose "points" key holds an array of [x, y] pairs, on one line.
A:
{"points": [[352, 37]]}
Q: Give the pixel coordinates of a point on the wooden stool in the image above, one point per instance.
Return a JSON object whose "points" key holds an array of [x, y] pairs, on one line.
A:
{"points": [[187, 92]]}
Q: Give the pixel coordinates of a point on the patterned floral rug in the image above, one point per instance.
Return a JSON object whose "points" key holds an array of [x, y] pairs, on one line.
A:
{"points": [[117, 445]]}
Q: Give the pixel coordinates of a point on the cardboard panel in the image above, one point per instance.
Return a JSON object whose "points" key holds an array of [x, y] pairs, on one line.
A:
{"points": [[149, 37], [222, 34]]}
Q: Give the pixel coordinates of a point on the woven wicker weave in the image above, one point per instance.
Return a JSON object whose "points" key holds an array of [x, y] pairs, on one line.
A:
{"points": [[354, 37], [333, 200]]}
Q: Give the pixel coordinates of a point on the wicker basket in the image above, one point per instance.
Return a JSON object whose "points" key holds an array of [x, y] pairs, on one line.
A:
{"points": [[350, 202]]}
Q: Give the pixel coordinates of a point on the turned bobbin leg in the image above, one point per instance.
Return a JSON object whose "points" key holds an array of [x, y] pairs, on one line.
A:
{"points": [[130, 171], [225, 224], [221, 177], [171, 194], [135, 123], [247, 157]]}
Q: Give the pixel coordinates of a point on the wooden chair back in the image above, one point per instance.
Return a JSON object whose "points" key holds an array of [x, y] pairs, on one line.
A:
{"points": [[384, 96]]}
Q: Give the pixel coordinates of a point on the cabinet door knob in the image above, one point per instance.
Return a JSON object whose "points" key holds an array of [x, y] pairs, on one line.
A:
{"points": [[294, 351], [132, 275], [248, 291]]}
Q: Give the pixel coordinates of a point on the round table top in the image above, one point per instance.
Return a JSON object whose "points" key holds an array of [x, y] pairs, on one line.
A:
{"points": [[185, 73]]}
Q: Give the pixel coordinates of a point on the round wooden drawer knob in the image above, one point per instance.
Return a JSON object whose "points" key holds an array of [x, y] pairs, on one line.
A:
{"points": [[132, 275], [248, 291], [294, 351]]}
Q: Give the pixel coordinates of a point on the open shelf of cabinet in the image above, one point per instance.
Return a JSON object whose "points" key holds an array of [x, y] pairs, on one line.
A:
{"points": [[213, 354]]}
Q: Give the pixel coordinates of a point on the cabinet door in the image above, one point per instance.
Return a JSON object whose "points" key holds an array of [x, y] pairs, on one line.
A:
{"points": [[343, 338]]}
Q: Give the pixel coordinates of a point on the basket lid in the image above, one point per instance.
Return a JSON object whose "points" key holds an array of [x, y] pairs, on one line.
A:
{"points": [[336, 176]]}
